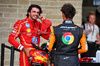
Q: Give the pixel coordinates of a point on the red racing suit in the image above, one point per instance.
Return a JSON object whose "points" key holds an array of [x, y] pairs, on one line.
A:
{"points": [[28, 32]]}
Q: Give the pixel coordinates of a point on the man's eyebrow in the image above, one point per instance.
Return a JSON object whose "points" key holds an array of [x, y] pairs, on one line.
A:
{"points": [[34, 11]]}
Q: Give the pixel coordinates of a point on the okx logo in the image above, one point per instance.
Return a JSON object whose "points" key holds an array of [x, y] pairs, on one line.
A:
{"points": [[67, 38]]}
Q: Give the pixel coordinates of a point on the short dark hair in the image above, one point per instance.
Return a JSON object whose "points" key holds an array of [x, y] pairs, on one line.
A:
{"points": [[68, 10], [33, 6]]}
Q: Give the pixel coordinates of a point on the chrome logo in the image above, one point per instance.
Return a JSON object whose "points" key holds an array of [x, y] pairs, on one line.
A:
{"points": [[67, 38]]}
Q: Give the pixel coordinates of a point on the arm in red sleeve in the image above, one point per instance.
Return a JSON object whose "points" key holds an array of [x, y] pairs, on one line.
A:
{"points": [[84, 47], [15, 33], [52, 40], [45, 27]]}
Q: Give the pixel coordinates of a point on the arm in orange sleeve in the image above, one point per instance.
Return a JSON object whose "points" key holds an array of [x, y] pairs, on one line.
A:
{"points": [[84, 47], [52, 40]]}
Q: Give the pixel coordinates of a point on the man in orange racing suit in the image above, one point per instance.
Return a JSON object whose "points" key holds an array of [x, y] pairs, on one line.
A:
{"points": [[28, 31], [67, 37]]}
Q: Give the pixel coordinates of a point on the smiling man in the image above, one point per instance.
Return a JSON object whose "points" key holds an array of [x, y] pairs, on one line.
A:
{"points": [[29, 31]]}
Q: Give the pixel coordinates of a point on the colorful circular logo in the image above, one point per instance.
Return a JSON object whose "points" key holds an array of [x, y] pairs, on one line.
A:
{"points": [[34, 40], [67, 38], [28, 30], [27, 25]]}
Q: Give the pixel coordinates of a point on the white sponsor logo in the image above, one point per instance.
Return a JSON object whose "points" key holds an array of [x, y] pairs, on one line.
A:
{"points": [[14, 31], [66, 57], [68, 21], [66, 27], [29, 34]]}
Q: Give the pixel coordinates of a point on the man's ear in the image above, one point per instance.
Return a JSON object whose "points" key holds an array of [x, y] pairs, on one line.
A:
{"points": [[29, 13], [63, 14]]}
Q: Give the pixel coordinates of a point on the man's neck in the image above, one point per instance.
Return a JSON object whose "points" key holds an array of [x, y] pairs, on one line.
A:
{"points": [[31, 19], [67, 19]]}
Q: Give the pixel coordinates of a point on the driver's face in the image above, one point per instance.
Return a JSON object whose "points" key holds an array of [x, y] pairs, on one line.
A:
{"points": [[34, 14]]}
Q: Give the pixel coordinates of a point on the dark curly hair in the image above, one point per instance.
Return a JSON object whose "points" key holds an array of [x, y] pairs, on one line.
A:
{"points": [[68, 10], [33, 6]]}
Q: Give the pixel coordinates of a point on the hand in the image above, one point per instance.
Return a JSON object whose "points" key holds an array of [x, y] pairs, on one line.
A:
{"points": [[88, 31], [52, 64], [26, 51], [98, 42], [42, 17]]}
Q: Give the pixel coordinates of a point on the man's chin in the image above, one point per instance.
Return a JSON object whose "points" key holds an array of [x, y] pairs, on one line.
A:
{"points": [[34, 19]]}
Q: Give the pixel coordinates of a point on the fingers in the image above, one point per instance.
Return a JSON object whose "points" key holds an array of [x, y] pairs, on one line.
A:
{"points": [[89, 30], [26, 52], [42, 17], [97, 42], [28, 55]]}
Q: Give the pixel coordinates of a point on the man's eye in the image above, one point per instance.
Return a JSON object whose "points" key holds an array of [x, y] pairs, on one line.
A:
{"points": [[34, 11], [38, 12]]}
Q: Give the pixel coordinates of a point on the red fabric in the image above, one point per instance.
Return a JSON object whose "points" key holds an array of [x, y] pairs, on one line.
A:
{"points": [[39, 57], [45, 25], [24, 59], [27, 31]]}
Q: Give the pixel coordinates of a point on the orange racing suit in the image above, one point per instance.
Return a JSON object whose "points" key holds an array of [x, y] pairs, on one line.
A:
{"points": [[28, 32], [67, 37]]}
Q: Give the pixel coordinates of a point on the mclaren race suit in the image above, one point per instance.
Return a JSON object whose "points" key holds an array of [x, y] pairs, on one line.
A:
{"points": [[67, 37], [28, 32]]}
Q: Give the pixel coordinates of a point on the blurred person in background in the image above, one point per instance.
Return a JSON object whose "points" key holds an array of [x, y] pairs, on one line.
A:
{"points": [[92, 35]]}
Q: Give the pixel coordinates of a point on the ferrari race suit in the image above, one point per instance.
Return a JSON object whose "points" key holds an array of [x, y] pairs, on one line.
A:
{"points": [[28, 32], [67, 37]]}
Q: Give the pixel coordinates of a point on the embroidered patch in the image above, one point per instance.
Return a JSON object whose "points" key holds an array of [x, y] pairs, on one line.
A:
{"points": [[67, 38], [34, 40], [27, 25]]}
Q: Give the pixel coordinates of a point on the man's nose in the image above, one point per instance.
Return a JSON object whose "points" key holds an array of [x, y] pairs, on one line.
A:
{"points": [[37, 13]]}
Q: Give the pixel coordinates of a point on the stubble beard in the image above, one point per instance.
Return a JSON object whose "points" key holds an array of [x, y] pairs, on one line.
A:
{"points": [[32, 18]]}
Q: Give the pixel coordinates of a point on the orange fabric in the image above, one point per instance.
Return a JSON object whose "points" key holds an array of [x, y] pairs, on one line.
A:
{"points": [[52, 40], [83, 43]]}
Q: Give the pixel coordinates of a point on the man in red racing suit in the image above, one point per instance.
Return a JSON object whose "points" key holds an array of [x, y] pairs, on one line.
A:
{"points": [[28, 31]]}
